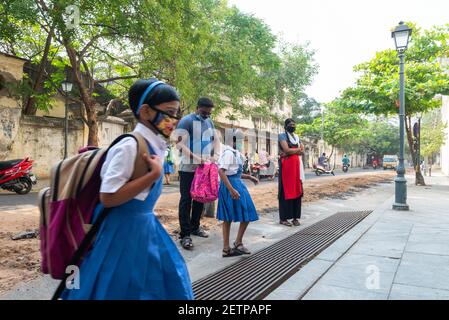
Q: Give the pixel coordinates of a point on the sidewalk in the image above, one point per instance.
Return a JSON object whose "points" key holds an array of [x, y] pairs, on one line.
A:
{"points": [[206, 256], [389, 255]]}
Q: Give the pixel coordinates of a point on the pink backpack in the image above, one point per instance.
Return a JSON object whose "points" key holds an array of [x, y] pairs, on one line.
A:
{"points": [[205, 183], [67, 206]]}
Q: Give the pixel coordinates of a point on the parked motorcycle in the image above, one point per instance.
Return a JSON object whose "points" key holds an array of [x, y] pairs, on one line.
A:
{"points": [[319, 170], [16, 176], [263, 171]]}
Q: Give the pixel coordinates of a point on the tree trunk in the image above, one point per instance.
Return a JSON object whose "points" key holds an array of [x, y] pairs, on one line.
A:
{"points": [[86, 96], [419, 179], [30, 107], [92, 139]]}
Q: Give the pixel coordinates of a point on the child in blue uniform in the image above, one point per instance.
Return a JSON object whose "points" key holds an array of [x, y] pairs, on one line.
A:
{"points": [[234, 201], [133, 257], [168, 165]]}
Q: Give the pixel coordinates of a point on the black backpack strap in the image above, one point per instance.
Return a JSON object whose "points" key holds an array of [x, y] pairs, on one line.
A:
{"points": [[88, 238]]}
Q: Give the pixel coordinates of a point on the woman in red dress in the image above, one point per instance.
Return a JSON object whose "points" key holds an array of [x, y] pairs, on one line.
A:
{"points": [[290, 182]]}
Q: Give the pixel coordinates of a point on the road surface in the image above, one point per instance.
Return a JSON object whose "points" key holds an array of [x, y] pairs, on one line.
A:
{"points": [[9, 200]]}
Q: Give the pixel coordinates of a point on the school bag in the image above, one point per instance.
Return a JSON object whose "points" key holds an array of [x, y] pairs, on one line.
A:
{"points": [[67, 206], [204, 187]]}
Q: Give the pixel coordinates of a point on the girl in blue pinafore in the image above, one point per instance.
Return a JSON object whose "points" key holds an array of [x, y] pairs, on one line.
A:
{"points": [[133, 257], [168, 165], [234, 201]]}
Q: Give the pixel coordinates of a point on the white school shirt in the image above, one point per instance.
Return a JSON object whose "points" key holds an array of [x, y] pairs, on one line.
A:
{"points": [[119, 164], [230, 160]]}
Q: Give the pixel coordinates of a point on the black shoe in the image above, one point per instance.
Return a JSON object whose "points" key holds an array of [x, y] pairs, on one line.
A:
{"points": [[200, 233]]}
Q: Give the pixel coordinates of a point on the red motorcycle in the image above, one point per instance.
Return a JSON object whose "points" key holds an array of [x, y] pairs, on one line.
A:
{"points": [[16, 176], [261, 171]]}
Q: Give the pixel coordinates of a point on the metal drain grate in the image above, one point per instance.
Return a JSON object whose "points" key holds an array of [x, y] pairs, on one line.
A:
{"points": [[253, 278]]}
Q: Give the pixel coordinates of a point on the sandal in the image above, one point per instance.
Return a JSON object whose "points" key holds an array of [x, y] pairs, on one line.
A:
{"points": [[186, 243], [230, 252], [200, 233], [241, 248], [296, 223], [286, 223]]}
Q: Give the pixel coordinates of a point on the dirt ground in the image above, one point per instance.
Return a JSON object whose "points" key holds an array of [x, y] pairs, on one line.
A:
{"points": [[20, 259]]}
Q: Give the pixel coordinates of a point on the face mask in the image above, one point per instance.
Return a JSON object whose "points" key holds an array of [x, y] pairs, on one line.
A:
{"points": [[239, 146], [202, 117], [202, 114], [164, 123], [291, 129]]}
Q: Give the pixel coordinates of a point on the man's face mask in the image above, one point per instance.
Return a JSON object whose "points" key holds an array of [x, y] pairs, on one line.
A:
{"points": [[164, 123], [204, 114]]}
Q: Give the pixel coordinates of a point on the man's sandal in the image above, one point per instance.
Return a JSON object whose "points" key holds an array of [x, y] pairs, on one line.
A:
{"points": [[186, 243], [230, 252], [286, 223], [241, 248], [296, 223]]}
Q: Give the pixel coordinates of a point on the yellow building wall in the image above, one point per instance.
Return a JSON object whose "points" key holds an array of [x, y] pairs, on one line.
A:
{"points": [[11, 70], [57, 110]]}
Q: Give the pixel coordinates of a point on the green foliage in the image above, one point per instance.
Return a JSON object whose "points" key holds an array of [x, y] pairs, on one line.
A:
{"points": [[377, 88], [432, 133], [340, 129], [378, 137], [202, 47], [306, 110], [351, 132], [297, 70]]}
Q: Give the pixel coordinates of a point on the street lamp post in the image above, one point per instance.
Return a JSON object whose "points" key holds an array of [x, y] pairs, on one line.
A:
{"points": [[401, 36], [66, 87]]}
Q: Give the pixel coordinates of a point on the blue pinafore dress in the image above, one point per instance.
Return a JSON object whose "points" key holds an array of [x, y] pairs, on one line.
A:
{"points": [[133, 257], [242, 210]]}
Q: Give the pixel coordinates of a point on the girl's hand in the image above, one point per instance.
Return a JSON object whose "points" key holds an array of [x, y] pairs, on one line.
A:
{"points": [[198, 160], [235, 194], [254, 179], [154, 163]]}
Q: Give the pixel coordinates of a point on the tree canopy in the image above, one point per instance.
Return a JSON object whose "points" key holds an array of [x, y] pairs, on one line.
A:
{"points": [[351, 132], [202, 47], [426, 75], [432, 133]]}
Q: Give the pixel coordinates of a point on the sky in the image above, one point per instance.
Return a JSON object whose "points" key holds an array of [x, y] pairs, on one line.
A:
{"points": [[343, 33]]}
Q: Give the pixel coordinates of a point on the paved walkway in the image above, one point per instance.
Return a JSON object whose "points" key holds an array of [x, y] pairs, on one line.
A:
{"points": [[206, 256], [389, 255]]}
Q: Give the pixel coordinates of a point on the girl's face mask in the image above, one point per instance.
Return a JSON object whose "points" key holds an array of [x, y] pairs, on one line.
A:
{"points": [[239, 146], [164, 123]]}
